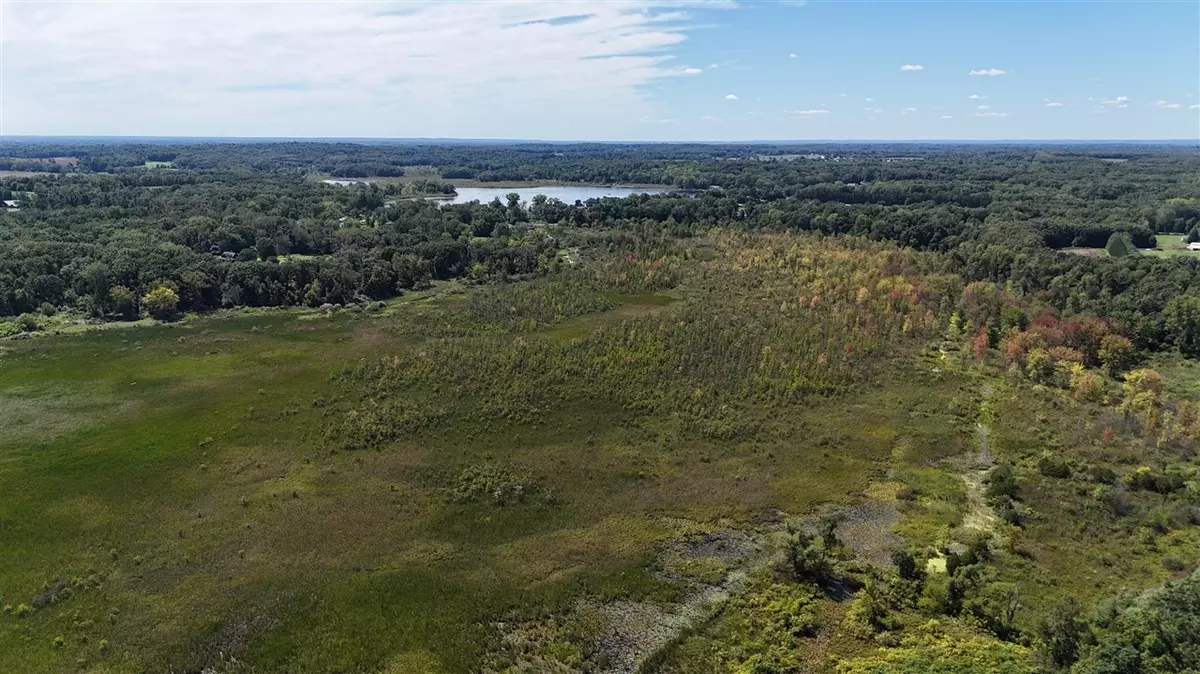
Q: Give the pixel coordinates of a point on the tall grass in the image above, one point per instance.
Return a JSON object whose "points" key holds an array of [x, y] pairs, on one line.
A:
{"points": [[770, 321]]}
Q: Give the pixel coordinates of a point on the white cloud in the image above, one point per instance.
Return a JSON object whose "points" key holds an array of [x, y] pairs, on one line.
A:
{"points": [[793, 55], [991, 114], [1194, 106], [869, 100], [692, 71], [731, 97], [710, 118], [977, 97], [908, 111], [873, 111], [296, 69], [713, 66], [910, 66], [983, 107], [1053, 104], [808, 113], [1118, 102], [1166, 105], [989, 72], [947, 116]]}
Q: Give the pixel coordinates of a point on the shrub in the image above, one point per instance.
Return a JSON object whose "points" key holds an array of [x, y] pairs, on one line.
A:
{"points": [[28, 323], [1102, 474], [906, 565], [1054, 466], [995, 606], [1001, 482], [1148, 479], [1085, 385], [809, 561], [499, 485], [1114, 499]]}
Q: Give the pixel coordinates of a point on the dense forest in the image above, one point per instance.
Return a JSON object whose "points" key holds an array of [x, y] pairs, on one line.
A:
{"points": [[232, 224]]}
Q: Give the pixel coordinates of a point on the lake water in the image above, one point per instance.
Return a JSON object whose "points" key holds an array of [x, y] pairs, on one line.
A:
{"points": [[565, 193]]}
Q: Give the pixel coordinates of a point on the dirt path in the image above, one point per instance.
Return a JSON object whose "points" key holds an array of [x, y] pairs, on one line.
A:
{"points": [[979, 516]]}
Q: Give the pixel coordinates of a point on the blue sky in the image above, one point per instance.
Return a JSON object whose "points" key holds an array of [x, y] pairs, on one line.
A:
{"points": [[604, 70]]}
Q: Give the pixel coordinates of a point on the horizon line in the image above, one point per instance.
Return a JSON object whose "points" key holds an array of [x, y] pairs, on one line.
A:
{"points": [[458, 139]]}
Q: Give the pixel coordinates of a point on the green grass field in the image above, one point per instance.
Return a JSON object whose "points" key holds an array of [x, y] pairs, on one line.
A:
{"points": [[1170, 244], [478, 477]]}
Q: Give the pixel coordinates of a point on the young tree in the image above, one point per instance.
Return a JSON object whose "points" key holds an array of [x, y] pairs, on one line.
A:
{"points": [[809, 560], [1119, 245], [124, 302], [162, 302], [1116, 354]]}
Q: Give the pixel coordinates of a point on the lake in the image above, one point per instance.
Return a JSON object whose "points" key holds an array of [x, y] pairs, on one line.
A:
{"points": [[565, 193]]}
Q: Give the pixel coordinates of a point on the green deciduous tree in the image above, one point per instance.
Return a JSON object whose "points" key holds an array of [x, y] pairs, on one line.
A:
{"points": [[162, 302]]}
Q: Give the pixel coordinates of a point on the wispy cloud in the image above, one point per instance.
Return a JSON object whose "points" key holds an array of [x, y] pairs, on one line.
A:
{"points": [[731, 97], [947, 116], [1053, 104], [991, 114], [175, 68], [710, 118], [713, 66], [808, 113], [977, 97], [1167, 105], [989, 72], [911, 66], [873, 111], [908, 111], [869, 100], [1118, 102], [1194, 106], [983, 107], [793, 55], [692, 71]]}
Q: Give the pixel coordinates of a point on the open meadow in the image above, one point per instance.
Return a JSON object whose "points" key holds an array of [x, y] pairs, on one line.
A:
{"points": [[608, 469]]}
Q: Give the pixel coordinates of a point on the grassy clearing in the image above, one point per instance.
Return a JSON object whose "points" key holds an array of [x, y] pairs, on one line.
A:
{"points": [[1170, 244]]}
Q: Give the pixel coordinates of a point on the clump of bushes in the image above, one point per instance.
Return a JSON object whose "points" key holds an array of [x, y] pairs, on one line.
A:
{"points": [[1054, 466], [497, 485]]}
